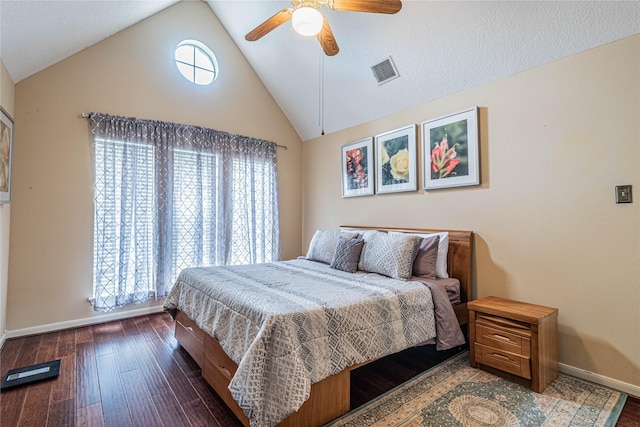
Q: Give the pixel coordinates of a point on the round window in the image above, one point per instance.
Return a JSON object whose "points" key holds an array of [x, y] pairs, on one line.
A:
{"points": [[196, 62]]}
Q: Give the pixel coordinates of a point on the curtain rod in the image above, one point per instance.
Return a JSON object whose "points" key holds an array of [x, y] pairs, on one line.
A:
{"points": [[86, 116]]}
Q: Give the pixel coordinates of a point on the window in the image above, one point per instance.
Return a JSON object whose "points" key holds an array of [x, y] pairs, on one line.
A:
{"points": [[118, 238], [196, 62], [169, 197]]}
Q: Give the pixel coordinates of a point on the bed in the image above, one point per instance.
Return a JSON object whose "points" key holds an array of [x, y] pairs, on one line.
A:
{"points": [[278, 341]]}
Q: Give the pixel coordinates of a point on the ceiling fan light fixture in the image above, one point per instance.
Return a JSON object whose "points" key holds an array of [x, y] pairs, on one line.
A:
{"points": [[307, 21]]}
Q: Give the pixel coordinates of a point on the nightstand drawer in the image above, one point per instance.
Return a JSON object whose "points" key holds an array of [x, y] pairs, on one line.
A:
{"points": [[502, 323], [503, 360], [503, 340]]}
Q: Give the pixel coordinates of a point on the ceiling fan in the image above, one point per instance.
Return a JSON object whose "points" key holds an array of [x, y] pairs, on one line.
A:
{"points": [[308, 21]]}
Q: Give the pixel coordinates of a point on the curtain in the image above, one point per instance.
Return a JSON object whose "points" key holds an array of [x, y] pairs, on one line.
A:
{"points": [[171, 196]]}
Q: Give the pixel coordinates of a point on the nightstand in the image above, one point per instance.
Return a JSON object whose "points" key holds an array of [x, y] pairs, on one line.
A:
{"points": [[514, 340]]}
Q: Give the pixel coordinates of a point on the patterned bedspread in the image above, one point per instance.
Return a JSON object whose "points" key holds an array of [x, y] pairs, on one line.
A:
{"points": [[293, 323]]}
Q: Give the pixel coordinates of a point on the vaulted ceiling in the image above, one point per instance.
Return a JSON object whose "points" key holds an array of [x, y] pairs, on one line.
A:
{"points": [[438, 47]]}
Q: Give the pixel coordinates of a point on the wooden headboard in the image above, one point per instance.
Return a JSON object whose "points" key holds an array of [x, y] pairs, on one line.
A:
{"points": [[458, 259]]}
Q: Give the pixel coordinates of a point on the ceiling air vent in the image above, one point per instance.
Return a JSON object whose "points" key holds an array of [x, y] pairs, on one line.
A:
{"points": [[384, 71]]}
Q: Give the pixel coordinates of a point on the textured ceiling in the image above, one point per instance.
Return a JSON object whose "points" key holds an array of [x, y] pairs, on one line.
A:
{"points": [[37, 34], [439, 47]]}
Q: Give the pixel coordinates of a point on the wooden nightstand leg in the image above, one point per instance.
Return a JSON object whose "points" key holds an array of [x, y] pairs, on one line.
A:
{"points": [[535, 360], [472, 338]]}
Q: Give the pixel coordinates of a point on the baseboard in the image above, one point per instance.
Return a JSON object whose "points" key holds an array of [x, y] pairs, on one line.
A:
{"points": [[630, 389], [81, 322]]}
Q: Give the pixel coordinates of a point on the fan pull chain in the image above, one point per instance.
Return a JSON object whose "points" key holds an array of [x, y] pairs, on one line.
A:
{"points": [[321, 92]]}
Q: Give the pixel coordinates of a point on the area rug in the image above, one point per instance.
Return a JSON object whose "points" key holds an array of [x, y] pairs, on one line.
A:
{"points": [[455, 394]]}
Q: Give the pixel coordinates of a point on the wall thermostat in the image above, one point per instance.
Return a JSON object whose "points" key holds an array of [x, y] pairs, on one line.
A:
{"points": [[623, 194]]}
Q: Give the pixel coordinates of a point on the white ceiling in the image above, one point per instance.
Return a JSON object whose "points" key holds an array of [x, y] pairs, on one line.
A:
{"points": [[439, 47], [37, 34]]}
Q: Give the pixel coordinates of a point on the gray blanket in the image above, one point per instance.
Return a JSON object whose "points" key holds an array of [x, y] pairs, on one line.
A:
{"points": [[290, 324]]}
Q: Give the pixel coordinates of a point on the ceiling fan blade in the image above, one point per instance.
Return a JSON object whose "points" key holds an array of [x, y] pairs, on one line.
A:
{"points": [[326, 39], [373, 6], [269, 25]]}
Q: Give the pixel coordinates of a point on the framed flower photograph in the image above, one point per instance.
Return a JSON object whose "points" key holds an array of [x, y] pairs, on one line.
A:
{"points": [[6, 155], [450, 150], [357, 163], [396, 160]]}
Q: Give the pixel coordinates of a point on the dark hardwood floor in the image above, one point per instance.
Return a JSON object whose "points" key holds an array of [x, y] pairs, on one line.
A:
{"points": [[133, 373]]}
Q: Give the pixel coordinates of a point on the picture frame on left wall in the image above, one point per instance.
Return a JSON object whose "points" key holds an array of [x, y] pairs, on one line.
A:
{"points": [[6, 155], [356, 159]]}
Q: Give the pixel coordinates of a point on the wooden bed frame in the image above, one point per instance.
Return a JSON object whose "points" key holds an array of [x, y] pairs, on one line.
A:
{"points": [[329, 398]]}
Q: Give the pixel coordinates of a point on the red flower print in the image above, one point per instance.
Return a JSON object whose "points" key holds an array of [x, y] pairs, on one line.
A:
{"points": [[443, 159]]}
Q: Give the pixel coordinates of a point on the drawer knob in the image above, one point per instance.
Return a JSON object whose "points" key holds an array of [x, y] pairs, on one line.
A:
{"points": [[500, 356], [501, 337], [225, 371], [189, 328]]}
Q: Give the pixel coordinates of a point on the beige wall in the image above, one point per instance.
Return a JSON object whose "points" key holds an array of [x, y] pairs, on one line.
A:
{"points": [[7, 96], [129, 74], [555, 141]]}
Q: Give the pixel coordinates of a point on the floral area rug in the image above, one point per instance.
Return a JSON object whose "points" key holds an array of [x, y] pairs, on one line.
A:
{"points": [[455, 394]]}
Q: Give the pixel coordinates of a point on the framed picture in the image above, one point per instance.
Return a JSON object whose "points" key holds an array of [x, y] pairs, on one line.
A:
{"points": [[357, 163], [450, 150], [396, 161], [6, 155]]}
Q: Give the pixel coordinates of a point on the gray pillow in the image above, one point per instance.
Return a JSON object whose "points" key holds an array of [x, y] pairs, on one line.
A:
{"points": [[389, 254], [425, 262], [323, 244], [347, 254]]}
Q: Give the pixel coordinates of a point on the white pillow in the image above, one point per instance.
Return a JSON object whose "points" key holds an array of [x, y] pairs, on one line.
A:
{"points": [[443, 251], [324, 243]]}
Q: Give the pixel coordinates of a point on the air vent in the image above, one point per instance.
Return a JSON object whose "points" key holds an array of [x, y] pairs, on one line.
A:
{"points": [[384, 71]]}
